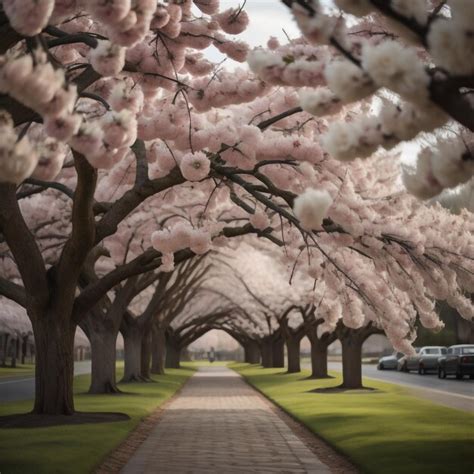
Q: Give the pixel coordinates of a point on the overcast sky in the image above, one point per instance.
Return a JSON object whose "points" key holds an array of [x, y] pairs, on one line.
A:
{"points": [[267, 18]]}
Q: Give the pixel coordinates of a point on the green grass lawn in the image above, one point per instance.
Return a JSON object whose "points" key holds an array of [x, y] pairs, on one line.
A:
{"points": [[77, 449], [385, 432], [18, 371]]}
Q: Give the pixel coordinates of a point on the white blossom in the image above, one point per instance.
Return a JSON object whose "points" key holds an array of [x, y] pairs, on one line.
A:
{"points": [[347, 81], [311, 207], [398, 68]]}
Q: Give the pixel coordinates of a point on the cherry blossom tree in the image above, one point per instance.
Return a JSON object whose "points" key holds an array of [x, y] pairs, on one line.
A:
{"points": [[116, 126]]}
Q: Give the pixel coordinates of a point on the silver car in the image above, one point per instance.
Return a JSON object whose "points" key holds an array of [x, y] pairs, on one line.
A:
{"points": [[426, 360], [389, 362]]}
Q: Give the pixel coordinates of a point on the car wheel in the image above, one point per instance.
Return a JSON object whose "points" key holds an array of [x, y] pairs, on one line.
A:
{"points": [[421, 370], [381, 367], [441, 373], [404, 367], [459, 375], [471, 377]]}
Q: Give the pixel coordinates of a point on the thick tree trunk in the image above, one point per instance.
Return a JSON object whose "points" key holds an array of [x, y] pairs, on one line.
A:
{"points": [[146, 355], [158, 351], [252, 352], [103, 357], [132, 339], [54, 370], [267, 353], [293, 352], [278, 352], [173, 356], [319, 359], [351, 362]]}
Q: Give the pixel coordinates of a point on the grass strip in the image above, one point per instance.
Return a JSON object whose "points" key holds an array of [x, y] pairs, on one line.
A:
{"points": [[384, 431], [77, 449]]}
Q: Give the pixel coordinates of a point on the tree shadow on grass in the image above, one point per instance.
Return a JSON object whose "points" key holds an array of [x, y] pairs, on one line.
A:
{"points": [[327, 377], [30, 420], [342, 389]]}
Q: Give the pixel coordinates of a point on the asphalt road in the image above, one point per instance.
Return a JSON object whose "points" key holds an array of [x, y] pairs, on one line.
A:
{"points": [[23, 388], [449, 392]]}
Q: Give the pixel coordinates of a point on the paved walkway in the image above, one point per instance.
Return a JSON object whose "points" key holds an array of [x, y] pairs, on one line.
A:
{"points": [[219, 424]]}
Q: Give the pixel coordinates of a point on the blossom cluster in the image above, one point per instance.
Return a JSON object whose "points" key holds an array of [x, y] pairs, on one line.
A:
{"points": [[18, 158]]}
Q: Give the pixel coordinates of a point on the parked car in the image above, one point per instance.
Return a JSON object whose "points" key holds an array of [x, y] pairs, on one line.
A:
{"points": [[458, 361], [390, 361], [426, 360], [402, 362]]}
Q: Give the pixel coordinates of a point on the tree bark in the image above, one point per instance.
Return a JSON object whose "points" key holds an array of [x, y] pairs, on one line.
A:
{"points": [[146, 354], [278, 348], [5, 338], [158, 351], [132, 339], [103, 357], [14, 351], [54, 339], [252, 352], [24, 349], [173, 356], [351, 362], [267, 353], [319, 359], [293, 352]]}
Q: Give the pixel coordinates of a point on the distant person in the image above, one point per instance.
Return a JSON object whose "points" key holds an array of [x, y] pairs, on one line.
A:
{"points": [[211, 355]]}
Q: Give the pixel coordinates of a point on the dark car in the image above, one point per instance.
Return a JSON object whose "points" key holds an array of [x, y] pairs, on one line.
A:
{"points": [[459, 361]]}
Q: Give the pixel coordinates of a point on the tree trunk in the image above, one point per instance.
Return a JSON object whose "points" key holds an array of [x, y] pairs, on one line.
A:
{"points": [[267, 353], [103, 357], [158, 351], [173, 356], [278, 352], [319, 359], [54, 370], [252, 352], [5, 338], [24, 349], [15, 346], [293, 352], [132, 339], [146, 354], [351, 362]]}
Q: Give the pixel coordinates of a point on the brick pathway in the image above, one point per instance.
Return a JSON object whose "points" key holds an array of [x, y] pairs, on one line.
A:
{"points": [[219, 424]]}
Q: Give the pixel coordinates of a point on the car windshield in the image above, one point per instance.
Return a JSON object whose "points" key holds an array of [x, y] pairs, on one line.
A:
{"points": [[444, 350], [468, 350]]}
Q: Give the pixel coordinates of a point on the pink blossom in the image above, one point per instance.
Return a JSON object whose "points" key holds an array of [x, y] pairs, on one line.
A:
{"points": [[167, 263], [63, 127], [200, 241], [28, 17], [233, 21], [195, 166], [260, 220], [107, 58]]}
